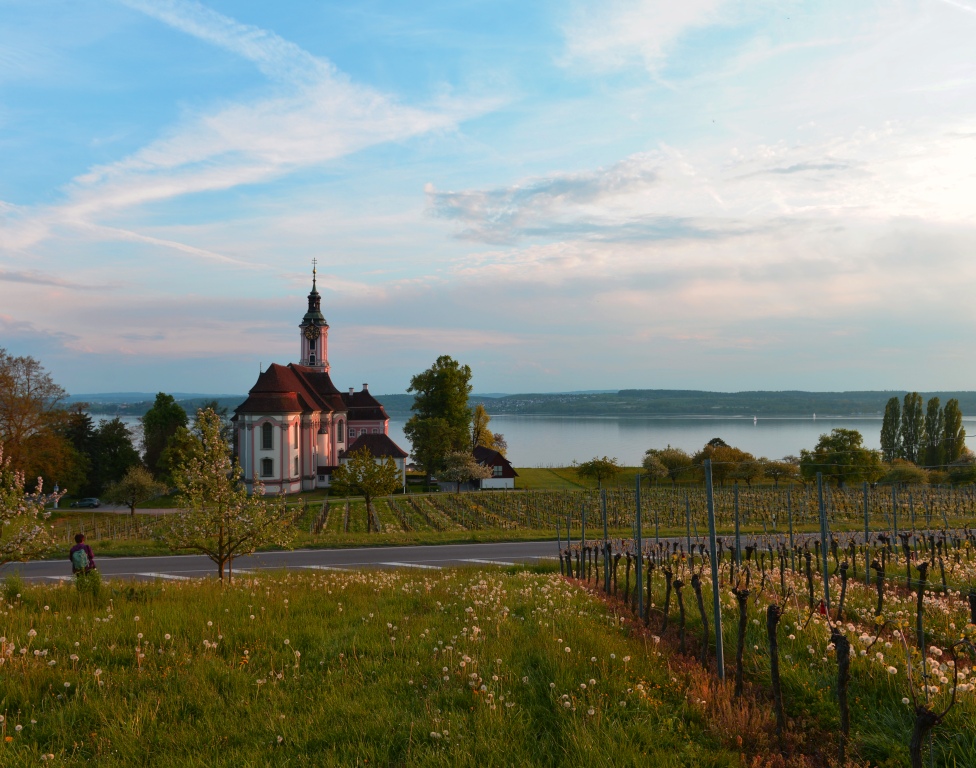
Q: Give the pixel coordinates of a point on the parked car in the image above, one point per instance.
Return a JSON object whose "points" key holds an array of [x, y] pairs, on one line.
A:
{"points": [[89, 503]]}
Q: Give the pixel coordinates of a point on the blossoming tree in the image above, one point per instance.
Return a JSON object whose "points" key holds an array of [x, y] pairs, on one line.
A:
{"points": [[217, 517], [22, 534]]}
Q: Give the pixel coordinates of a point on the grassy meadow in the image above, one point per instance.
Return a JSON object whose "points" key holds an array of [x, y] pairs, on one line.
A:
{"points": [[456, 668]]}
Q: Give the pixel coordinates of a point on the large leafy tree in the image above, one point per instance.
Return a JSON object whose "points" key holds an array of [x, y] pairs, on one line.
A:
{"points": [[891, 431], [676, 461], [159, 424], [726, 461], [136, 488], [781, 470], [362, 474], [932, 454], [841, 456], [113, 455], [912, 427], [599, 469], [954, 433], [654, 470], [32, 414], [430, 441], [441, 392], [23, 534], [217, 517]]}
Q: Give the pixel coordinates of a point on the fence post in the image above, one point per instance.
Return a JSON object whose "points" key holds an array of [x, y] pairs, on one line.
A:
{"points": [[606, 542], [640, 555], [688, 524], [712, 547], [823, 541], [738, 544], [583, 526], [867, 562], [789, 513], [894, 521]]}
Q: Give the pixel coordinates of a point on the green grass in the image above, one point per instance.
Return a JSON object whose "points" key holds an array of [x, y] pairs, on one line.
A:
{"points": [[461, 668]]}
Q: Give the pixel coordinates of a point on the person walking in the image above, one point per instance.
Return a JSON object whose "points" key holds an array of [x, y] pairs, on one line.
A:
{"points": [[81, 556]]}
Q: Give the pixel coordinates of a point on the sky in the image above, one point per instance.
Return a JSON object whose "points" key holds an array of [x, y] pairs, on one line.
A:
{"points": [[572, 195]]}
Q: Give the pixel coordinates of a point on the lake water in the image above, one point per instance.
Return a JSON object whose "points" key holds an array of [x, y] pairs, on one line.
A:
{"points": [[553, 441], [543, 441]]}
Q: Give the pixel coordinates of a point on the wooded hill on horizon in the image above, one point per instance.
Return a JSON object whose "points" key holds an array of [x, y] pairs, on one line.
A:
{"points": [[622, 403]]}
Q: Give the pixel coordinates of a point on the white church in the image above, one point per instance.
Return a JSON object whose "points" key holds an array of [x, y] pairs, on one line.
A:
{"points": [[296, 427]]}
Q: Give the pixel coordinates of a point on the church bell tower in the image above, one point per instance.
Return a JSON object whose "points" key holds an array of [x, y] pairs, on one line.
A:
{"points": [[314, 331]]}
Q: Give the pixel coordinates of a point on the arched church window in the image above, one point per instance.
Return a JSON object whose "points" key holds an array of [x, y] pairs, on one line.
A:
{"points": [[340, 434], [267, 467], [267, 436]]}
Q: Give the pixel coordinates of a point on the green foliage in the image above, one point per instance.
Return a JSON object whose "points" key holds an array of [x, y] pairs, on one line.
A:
{"points": [[891, 447], [90, 583], [219, 518], [158, 425], [932, 437], [113, 454], [654, 470], [953, 432], [180, 448], [781, 470], [841, 456], [675, 461], [599, 469], [442, 393], [430, 441], [136, 488], [726, 461], [362, 474], [912, 427], [903, 472]]}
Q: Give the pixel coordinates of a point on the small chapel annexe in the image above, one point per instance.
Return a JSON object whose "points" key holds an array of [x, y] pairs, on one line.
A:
{"points": [[296, 427]]}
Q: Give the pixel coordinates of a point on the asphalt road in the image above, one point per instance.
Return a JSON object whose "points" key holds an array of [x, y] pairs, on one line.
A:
{"points": [[178, 567]]}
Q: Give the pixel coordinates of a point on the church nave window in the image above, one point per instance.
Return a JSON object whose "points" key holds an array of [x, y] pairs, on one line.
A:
{"points": [[267, 467], [267, 436]]}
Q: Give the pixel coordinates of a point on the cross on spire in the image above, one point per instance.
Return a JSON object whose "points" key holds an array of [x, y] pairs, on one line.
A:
{"points": [[314, 264]]}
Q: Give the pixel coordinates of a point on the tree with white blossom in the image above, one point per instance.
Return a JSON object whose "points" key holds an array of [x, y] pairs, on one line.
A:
{"points": [[217, 517], [23, 535]]}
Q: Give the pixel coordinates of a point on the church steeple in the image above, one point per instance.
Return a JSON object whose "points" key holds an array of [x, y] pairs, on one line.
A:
{"points": [[314, 330]]}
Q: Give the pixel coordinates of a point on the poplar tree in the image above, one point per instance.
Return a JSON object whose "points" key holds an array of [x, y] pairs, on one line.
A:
{"points": [[932, 439], [912, 426], [891, 447], [953, 432]]}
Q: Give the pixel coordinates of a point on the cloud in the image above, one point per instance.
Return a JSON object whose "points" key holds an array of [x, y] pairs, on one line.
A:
{"points": [[32, 277], [311, 115], [730, 190], [613, 35]]}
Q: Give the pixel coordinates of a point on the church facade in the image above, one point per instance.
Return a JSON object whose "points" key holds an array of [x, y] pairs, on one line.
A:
{"points": [[296, 426]]}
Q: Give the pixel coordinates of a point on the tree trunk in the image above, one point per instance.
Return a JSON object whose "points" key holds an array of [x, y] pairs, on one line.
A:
{"points": [[925, 721], [843, 648]]}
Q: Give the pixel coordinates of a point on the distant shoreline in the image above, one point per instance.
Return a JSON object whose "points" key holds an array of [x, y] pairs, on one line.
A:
{"points": [[628, 403]]}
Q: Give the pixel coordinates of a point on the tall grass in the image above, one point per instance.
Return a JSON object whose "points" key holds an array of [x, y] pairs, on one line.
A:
{"points": [[362, 668]]}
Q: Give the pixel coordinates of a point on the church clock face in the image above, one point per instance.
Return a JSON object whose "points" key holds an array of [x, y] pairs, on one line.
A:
{"points": [[312, 332]]}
